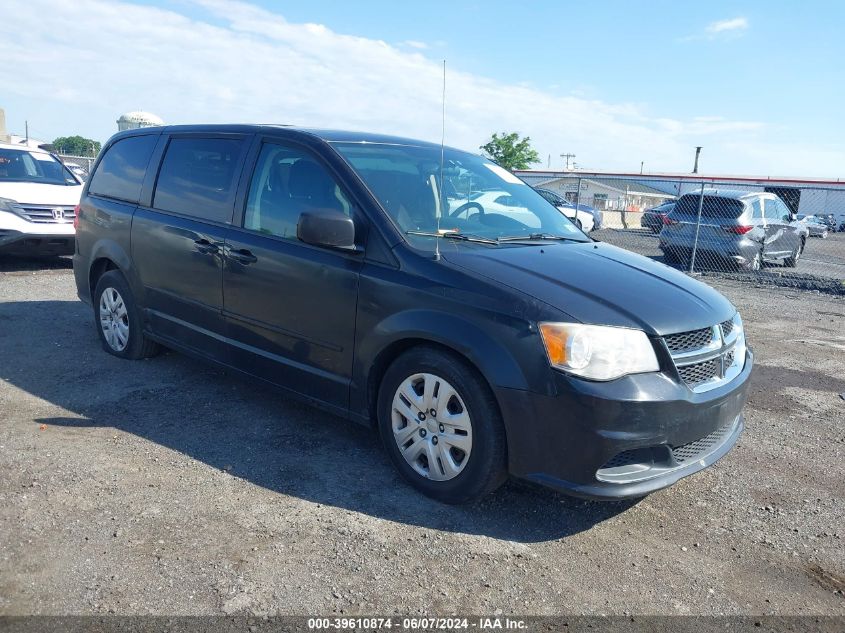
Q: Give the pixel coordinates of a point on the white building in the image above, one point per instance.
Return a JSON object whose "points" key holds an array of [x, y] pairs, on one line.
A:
{"points": [[637, 192]]}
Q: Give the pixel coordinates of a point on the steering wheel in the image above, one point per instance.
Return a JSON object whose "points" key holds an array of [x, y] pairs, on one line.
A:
{"points": [[466, 207]]}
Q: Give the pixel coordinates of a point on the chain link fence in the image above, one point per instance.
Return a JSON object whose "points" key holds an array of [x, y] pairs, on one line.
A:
{"points": [[80, 165], [786, 233]]}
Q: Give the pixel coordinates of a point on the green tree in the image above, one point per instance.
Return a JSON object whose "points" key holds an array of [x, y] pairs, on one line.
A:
{"points": [[76, 146], [510, 151]]}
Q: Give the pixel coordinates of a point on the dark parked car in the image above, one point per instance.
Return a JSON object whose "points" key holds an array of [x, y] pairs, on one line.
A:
{"points": [[654, 218], [829, 220], [480, 343], [559, 201], [736, 227]]}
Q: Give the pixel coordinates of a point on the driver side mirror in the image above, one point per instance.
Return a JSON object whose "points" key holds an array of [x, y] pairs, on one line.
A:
{"points": [[330, 229]]}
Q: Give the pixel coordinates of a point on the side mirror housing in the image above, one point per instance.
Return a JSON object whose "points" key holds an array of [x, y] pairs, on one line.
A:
{"points": [[330, 229]]}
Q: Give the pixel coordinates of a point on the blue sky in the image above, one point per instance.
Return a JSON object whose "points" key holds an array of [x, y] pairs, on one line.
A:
{"points": [[758, 84]]}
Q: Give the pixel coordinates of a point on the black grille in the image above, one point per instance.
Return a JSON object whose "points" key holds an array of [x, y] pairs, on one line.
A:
{"points": [[727, 328], [695, 450], [625, 458], [699, 373], [688, 341]]}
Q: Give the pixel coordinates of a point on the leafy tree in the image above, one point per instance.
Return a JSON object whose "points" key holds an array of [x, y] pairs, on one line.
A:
{"points": [[76, 146], [511, 152]]}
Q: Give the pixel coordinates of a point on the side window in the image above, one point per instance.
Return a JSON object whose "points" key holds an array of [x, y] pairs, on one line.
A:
{"points": [[197, 177], [784, 212], [757, 209], [121, 171], [771, 210], [287, 182]]}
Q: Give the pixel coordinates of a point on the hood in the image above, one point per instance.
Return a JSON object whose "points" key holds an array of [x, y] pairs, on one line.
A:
{"points": [[37, 193], [600, 284]]}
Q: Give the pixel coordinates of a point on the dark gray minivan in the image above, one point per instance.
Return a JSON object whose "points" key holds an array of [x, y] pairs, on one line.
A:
{"points": [[361, 273]]}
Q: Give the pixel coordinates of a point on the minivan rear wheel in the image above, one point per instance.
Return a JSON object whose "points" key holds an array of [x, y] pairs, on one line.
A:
{"points": [[441, 426], [118, 319]]}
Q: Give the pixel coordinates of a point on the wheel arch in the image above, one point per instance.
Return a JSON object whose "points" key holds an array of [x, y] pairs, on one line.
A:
{"points": [[109, 255], [450, 333]]}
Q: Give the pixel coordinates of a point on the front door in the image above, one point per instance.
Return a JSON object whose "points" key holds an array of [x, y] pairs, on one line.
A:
{"points": [[779, 234], [289, 306]]}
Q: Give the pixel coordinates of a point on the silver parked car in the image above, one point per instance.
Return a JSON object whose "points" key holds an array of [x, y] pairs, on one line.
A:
{"points": [[736, 227], [816, 227]]}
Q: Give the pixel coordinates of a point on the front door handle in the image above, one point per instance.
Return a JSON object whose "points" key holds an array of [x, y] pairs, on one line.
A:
{"points": [[242, 256], [206, 247]]}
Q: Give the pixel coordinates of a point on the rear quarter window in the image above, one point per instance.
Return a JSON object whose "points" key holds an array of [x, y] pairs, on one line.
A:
{"points": [[121, 170], [197, 177]]}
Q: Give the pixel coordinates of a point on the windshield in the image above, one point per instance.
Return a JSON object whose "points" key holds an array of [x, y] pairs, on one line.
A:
{"points": [[475, 198], [21, 165]]}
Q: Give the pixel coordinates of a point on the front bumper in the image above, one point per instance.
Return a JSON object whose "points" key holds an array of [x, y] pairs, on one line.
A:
{"points": [[42, 243], [662, 430]]}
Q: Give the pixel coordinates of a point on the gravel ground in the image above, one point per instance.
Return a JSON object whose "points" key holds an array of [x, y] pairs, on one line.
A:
{"points": [[168, 487]]}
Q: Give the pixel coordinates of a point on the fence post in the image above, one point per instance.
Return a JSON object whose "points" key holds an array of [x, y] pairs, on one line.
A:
{"points": [[697, 228], [625, 208], [577, 199]]}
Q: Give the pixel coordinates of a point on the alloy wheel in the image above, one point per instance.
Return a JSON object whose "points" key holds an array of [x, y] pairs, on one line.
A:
{"points": [[431, 426], [114, 319]]}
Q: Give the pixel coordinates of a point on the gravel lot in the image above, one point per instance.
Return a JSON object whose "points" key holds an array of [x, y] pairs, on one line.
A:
{"points": [[168, 487]]}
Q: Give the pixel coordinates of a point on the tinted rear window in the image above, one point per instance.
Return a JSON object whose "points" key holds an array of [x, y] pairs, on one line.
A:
{"points": [[121, 170], [197, 177], [712, 207]]}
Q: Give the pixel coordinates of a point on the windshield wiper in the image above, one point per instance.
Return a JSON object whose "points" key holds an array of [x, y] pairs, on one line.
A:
{"points": [[451, 235], [539, 236]]}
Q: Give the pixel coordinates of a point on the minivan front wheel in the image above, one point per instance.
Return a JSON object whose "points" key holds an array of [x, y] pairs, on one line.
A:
{"points": [[118, 319], [441, 426]]}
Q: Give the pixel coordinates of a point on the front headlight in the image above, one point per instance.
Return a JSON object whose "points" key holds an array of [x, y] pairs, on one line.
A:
{"points": [[597, 352]]}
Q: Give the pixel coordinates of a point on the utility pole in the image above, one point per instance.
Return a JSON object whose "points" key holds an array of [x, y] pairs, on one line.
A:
{"points": [[26, 128], [642, 162], [697, 152], [567, 157]]}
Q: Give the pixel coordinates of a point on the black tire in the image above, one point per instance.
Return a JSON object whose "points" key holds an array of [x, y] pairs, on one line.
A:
{"points": [[792, 262], [486, 466], [137, 346], [671, 257]]}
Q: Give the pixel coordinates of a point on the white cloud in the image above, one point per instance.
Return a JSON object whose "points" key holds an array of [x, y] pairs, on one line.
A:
{"points": [[415, 44], [74, 68], [723, 26]]}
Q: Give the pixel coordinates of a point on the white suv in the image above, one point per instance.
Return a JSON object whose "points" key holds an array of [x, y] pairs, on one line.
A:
{"points": [[38, 197]]}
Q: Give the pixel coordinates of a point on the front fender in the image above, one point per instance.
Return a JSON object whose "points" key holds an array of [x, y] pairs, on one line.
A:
{"points": [[501, 365]]}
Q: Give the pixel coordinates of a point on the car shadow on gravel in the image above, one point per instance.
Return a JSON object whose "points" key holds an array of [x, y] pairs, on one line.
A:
{"points": [[249, 431], [9, 264]]}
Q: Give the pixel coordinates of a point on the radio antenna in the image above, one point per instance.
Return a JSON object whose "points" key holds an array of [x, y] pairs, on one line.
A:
{"points": [[439, 190]]}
